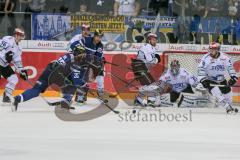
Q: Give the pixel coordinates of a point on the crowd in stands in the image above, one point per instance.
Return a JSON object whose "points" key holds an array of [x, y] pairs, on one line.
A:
{"points": [[203, 8], [176, 8]]}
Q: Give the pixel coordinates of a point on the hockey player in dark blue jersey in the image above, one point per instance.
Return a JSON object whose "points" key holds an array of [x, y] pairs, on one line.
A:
{"points": [[93, 46], [60, 73]]}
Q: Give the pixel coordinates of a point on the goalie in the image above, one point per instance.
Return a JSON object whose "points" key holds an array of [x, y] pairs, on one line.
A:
{"points": [[175, 81], [212, 72]]}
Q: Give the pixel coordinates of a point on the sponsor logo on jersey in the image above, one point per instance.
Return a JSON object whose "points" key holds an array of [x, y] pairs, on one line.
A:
{"points": [[178, 85], [218, 68]]}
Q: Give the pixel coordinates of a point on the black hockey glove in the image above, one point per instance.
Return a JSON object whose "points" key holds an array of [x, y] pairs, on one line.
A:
{"points": [[232, 81], [9, 56], [205, 83], [158, 58], [23, 74]]}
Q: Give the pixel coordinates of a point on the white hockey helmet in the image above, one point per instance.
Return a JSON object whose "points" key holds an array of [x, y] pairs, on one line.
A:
{"points": [[214, 45], [152, 35], [85, 26], [20, 32]]}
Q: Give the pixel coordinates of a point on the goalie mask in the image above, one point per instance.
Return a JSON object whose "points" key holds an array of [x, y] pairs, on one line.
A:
{"points": [[174, 67]]}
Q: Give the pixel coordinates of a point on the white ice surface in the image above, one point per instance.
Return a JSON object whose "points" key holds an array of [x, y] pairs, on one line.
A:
{"points": [[35, 133]]}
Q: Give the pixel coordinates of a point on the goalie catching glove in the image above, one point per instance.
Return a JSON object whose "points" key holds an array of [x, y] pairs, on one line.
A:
{"points": [[232, 81], [23, 74]]}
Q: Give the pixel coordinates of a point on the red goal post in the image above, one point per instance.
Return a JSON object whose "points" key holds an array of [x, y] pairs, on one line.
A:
{"points": [[190, 60]]}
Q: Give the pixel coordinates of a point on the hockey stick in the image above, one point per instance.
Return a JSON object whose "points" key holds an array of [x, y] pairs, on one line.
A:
{"points": [[222, 85], [118, 65], [127, 84], [104, 101]]}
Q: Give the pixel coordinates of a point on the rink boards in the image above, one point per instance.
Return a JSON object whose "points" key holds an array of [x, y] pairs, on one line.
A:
{"points": [[37, 54]]}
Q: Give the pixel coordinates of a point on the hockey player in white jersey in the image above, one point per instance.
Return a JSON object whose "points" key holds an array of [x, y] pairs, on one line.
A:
{"points": [[10, 53], [85, 33], [146, 58], [175, 81], [182, 82], [148, 53], [213, 69]]}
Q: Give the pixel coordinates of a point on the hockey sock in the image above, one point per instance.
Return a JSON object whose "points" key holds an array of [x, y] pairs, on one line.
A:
{"points": [[30, 93]]}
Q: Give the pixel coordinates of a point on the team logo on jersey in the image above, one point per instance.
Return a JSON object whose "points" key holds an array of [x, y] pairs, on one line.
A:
{"points": [[178, 85]]}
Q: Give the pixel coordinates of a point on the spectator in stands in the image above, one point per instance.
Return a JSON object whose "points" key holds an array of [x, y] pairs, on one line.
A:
{"points": [[83, 10], [159, 6], [193, 7], [126, 7], [103, 7], [216, 8], [84, 7], [23, 5], [233, 8], [32, 6], [36, 6], [8, 6]]}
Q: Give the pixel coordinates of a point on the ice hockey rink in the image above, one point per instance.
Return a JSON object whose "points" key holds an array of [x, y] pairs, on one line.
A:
{"points": [[34, 132]]}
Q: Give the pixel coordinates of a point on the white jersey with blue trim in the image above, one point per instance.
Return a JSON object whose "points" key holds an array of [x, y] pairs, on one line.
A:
{"points": [[180, 81], [77, 39], [215, 69], [147, 54], [7, 44]]}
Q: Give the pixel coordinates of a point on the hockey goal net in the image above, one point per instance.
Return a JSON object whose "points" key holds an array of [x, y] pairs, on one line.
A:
{"points": [[190, 60]]}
